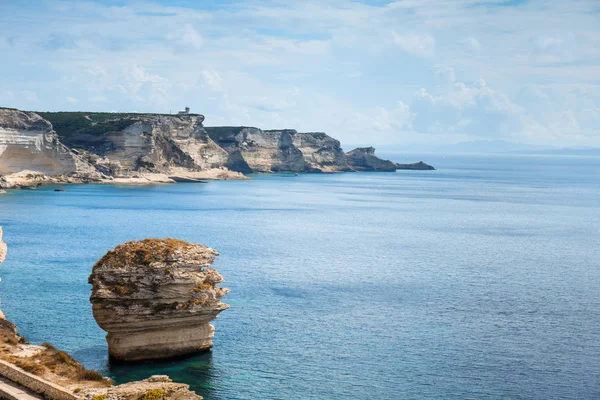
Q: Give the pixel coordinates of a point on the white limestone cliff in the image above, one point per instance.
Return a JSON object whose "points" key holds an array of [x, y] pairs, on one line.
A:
{"points": [[28, 142], [156, 298]]}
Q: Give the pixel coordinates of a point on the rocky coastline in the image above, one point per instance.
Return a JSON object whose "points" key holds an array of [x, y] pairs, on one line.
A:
{"points": [[47, 372], [78, 147]]}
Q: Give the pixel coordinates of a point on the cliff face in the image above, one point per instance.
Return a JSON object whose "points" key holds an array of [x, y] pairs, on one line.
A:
{"points": [[321, 152], [28, 142], [138, 148], [156, 297], [286, 150], [122, 144], [364, 159], [254, 150]]}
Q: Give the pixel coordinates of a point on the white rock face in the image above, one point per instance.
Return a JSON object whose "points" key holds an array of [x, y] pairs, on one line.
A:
{"points": [[156, 298], [27, 142], [321, 152], [152, 143]]}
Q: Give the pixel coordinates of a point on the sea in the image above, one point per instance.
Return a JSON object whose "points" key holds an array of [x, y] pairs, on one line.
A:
{"points": [[480, 280]]}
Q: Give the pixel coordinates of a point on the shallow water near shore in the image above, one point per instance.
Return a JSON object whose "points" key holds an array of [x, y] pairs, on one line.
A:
{"points": [[478, 280]]}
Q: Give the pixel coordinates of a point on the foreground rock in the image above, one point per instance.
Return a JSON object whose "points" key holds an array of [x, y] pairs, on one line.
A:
{"points": [[156, 297], [156, 387], [35, 367]]}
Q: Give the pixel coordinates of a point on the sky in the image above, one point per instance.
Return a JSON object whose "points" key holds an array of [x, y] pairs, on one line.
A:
{"points": [[373, 72]]}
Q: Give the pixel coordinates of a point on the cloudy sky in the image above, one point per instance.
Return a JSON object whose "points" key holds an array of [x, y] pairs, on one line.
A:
{"points": [[367, 72]]}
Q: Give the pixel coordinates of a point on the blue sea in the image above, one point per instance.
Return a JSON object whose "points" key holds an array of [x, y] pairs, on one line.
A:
{"points": [[480, 280]]}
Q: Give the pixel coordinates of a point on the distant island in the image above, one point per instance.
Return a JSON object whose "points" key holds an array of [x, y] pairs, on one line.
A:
{"points": [[87, 147]]}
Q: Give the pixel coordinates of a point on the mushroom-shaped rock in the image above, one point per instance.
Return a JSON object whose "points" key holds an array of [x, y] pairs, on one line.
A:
{"points": [[156, 297], [2, 247]]}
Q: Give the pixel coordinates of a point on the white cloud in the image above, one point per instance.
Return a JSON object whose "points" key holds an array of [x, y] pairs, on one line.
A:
{"points": [[474, 109], [186, 37], [472, 44], [396, 118], [341, 66], [420, 45], [212, 80], [445, 72]]}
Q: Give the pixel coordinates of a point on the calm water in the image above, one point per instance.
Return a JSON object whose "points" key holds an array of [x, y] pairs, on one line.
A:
{"points": [[479, 280]]}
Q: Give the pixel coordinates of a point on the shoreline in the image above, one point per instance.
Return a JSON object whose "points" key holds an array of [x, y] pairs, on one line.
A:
{"points": [[28, 179], [32, 180], [37, 371]]}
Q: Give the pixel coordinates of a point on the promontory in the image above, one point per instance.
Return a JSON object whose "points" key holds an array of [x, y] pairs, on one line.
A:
{"points": [[84, 147]]}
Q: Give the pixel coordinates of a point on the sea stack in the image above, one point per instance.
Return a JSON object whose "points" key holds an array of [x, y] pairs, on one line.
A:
{"points": [[156, 298]]}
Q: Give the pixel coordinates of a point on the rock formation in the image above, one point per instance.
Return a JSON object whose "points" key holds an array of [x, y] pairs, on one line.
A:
{"points": [[75, 147], [118, 145], [156, 297], [255, 150], [364, 159], [420, 166], [28, 142], [286, 150], [321, 152], [156, 387], [48, 366]]}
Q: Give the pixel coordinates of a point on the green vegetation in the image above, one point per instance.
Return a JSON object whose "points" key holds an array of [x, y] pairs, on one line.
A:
{"points": [[100, 397], [67, 123], [145, 252], [95, 124], [154, 394]]}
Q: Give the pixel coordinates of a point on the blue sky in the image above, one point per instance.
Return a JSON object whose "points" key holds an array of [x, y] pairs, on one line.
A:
{"points": [[370, 72]]}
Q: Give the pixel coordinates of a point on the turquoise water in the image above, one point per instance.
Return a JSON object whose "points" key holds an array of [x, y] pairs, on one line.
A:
{"points": [[478, 280]]}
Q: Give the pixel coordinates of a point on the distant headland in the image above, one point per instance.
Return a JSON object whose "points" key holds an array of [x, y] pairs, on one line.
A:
{"points": [[99, 147]]}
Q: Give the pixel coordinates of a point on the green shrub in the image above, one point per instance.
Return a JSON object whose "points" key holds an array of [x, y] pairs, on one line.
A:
{"points": [[154, 394]]}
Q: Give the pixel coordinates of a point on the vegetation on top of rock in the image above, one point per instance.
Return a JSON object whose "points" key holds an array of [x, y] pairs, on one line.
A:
{"points": [[223, 132], [143, 253], [154, 394], [67, 123]]}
